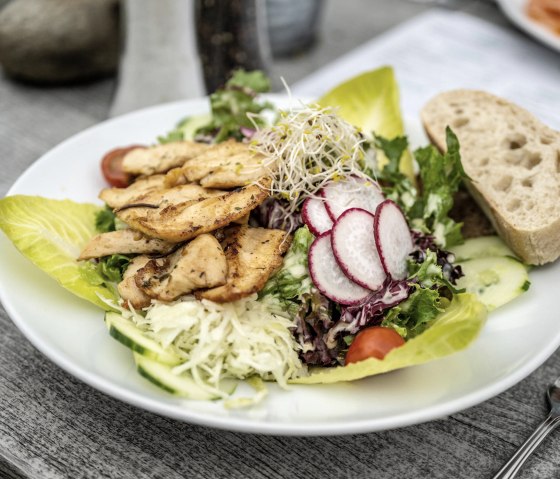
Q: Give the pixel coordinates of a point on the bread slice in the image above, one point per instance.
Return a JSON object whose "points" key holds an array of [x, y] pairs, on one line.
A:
{"points": [[513, 161]]}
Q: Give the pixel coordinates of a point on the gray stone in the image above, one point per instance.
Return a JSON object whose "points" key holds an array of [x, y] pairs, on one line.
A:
{"points": [[58, 41], [3, 3]]}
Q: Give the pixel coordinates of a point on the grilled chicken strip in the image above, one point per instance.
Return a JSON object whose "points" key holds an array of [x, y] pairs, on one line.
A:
{"points": [[253, 255], [183, 220], [175, 195], [127, 288], [156, 195], [117, 197], [124, 242], [201, 263], [161, 158], [226, 165]]}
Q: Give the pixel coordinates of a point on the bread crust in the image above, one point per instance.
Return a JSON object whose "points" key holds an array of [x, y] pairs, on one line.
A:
{"points": [[514, 162]]}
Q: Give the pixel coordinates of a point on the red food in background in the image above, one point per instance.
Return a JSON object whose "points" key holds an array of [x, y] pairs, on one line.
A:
{"points": [[546, 12], [111, 166]]}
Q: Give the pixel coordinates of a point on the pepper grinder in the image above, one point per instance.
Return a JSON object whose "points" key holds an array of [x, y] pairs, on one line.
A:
{"points": [[230, 34]]}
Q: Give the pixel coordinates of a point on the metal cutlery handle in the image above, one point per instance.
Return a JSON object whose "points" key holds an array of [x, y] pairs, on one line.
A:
{"points": [[511, 468]]}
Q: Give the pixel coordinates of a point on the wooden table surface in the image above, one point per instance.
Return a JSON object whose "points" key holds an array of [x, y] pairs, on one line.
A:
{"points": [[54, 426]]}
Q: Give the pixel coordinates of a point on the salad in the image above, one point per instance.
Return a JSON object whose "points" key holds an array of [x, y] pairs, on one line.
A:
{"points": [[259, 245]]}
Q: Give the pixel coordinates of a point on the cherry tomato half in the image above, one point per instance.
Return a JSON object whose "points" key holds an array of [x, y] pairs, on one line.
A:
{"points": [[111, 166], [374, 342]]}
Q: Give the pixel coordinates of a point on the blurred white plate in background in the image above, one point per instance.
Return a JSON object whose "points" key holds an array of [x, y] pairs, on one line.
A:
{"points": [[515, 10]]}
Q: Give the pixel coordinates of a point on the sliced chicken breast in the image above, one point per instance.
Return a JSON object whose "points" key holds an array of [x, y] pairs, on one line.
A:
{"points": [[129, 292], [161, 158], [201, 263], [117, 197], [226, 165], [178, 221], [253, 255], [125, 241], [175, 195]]}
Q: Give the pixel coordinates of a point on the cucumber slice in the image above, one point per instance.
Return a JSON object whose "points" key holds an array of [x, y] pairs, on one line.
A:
{"points": [[495, 281], [162, 376], [127, 333], [483, 247]]}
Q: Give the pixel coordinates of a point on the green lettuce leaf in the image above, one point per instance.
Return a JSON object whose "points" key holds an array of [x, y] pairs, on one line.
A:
{"points": [[105, 272], [428, 209], [441, 176], [254, 81], [234, 105], [396, 185], [292, 280], [105, 220], [454, 329], [393, 150], [370, 101], [428, 299], [51, 233], [230, 109], [413, 316]]}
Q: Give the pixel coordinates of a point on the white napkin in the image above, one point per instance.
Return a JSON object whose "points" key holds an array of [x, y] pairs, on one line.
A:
{"points": [[442, 50]]}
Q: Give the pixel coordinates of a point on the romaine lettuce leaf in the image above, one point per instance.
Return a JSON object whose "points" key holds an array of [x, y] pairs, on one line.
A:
{"points": [[370, 101], [51, 233], [454, 329]]}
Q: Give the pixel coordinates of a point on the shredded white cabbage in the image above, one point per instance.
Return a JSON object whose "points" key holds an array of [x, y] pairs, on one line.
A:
{"points": [[309, 147], [220, 341]]}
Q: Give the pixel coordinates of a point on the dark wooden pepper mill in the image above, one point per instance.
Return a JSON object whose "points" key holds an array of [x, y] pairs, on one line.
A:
{"points": [[230, 34]]}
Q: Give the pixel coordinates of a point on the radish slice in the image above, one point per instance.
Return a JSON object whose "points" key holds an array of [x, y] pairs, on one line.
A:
{"points": [[315, 216], [328, 277], [353, 244], [393, 239], [352, 193]]}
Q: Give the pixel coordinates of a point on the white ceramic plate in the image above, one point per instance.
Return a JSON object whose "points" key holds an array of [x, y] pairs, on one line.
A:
{"points": [[71, 332], [515, 11]]}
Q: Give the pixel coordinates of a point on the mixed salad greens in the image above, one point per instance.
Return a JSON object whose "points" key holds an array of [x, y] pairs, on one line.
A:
{"points": [[349, 146]]}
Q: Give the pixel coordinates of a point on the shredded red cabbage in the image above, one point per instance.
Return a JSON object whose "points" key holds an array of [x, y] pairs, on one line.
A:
{"points": [[275, 214], [321, 326], [314, 320], [247, 132], [370, 312]]}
